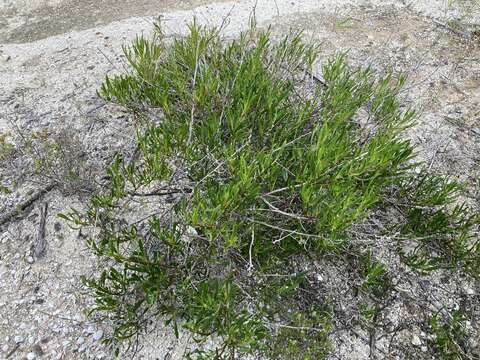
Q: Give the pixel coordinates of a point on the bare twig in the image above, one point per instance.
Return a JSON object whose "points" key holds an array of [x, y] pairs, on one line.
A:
{"points": [[316, 78], [277, 210], [250, 263], [307, 328], [372, 336], [290, 232], [192, 112], [162, 192], [12, 351], [20, 208], [41, 244], [89, 112], [465, 34]]}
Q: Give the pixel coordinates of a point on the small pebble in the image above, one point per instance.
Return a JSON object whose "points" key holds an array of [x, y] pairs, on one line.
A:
{"points": [[470, 291], [5, 348], [31, 356], [191, 231], [416, 340], [18, 339], [80, 340], [30, 260], [37, 349], [90, 329], [98, 335]]}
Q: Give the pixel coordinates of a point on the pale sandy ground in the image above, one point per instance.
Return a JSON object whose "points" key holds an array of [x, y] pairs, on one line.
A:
{"points": [[30, 20], [53, 56]]}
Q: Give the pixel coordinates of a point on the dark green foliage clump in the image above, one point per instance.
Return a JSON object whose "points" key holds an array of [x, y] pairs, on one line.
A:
{"points": [[261, 169]]}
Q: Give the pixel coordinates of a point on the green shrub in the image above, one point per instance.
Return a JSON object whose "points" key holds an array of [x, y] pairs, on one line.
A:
{"points": [[449, 336], [249, 169]]}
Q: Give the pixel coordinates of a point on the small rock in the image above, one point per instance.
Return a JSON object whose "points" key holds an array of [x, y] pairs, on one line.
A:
{"points": [[470, 291], [80, 340], [31, 356], [191, 231], [90, 330], [30, 260], [5, 348], [37, 349], [18, 339], [98, 335], [416, 340], [424, 349]]}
